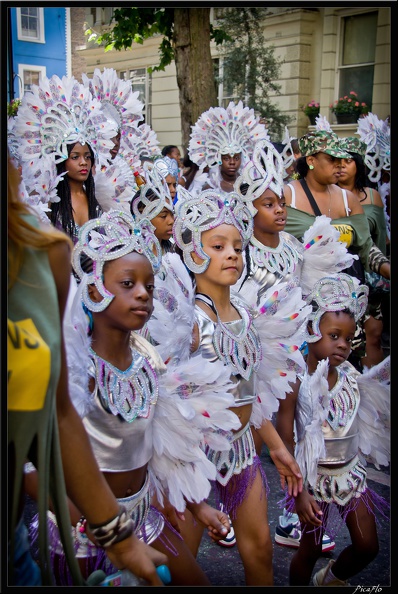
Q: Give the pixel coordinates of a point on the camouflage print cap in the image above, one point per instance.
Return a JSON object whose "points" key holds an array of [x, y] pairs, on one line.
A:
{"points": [[352, 144], [322, 141]]}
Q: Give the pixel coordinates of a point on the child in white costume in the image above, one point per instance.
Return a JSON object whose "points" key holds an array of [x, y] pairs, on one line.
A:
{"points": [[212, 232], [341, 417], [142, 442], [274, 256]]}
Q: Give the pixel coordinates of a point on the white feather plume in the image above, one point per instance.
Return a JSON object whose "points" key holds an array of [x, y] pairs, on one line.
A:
{"points": [[374, 413], [323, 253], [280, 320], [77, 343], [311, 446]]}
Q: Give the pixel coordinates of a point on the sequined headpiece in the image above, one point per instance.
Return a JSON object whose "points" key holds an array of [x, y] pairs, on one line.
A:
{"points": [[221, 131], [375, 133], [154, 195], [166, 166], [141, 140], [110, 237], [117, 98], [287, 153], [207, 211], [61, 112], [335, 293], [265, 170]]}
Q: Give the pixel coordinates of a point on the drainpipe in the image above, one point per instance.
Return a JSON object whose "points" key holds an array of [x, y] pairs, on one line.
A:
{"points": [[10, 57]]}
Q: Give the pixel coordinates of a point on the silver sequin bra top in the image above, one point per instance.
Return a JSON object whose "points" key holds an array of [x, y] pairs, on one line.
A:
{"points": [[128, 393], [239, 350], [283, 259]]}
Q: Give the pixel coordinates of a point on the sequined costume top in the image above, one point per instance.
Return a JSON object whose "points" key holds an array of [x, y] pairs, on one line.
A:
{"points": [[340, 429], [242, 353], [270, 266], [120, 445]]}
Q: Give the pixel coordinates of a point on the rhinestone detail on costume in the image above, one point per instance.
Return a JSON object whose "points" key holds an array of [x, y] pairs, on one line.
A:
{"points": [[244, 351], [282, 259], [129, 393]]}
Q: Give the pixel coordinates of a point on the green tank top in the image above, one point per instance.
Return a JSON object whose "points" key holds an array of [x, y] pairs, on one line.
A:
{"points": [[34, 364]]}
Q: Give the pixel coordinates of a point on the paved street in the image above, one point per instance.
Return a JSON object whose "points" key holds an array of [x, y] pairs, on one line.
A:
{"points": [[224, 567]]}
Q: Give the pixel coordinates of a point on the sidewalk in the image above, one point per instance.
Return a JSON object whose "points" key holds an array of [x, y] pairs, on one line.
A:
{"points": [[224, 567]]}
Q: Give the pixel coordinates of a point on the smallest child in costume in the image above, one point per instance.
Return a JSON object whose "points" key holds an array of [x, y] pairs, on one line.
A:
{"points": [[342, 422]]}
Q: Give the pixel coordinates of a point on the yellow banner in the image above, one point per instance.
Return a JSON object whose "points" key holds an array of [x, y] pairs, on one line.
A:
{"points": [[29, 360]]}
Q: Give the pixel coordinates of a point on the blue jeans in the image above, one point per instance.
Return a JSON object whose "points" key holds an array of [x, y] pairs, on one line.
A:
{"points": [[26, 570]]}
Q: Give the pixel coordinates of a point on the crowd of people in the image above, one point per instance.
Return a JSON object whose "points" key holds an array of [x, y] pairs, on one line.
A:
{"points": [[186, 312]]}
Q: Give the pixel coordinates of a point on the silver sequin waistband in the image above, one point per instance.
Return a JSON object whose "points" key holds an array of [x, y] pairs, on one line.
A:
{"points": [[340, 485], [240, 455]]}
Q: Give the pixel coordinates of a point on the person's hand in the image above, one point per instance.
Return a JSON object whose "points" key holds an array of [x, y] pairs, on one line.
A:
{"points": [[216, 521], [169, 511], [139, 558], [288, 469], [308, 509]]}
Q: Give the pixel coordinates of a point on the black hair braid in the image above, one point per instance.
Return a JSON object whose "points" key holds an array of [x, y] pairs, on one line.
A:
{"points": [[248, 267]]}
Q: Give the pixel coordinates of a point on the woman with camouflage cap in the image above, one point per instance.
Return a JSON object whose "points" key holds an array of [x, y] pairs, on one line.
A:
{"points": [[319, 168]]}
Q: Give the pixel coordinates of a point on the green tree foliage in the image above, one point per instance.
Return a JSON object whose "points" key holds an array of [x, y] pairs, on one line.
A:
{"points": [[134, 25], [250, 66]]}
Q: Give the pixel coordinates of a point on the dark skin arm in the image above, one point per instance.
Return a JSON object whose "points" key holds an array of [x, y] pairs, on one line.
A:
{"points": [[306, 506]]}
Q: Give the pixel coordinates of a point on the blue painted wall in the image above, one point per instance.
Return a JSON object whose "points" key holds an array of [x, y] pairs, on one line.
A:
{"points": [[51, 54]]}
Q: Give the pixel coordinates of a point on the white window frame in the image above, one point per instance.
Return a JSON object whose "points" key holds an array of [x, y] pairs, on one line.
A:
{"points": [[21, 37], [128, 75], [340, 42], [21, 69]]}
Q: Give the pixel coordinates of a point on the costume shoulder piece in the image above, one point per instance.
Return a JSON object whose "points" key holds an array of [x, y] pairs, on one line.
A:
{"points": [[279, 320]]}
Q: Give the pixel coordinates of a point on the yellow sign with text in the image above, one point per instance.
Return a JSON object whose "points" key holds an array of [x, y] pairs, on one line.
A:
{"points": [[29, 360]]}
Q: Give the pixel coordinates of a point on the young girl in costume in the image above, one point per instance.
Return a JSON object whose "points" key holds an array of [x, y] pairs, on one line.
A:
{"points": [[212, 233], [173, 306], [142, 442], [41, 417], [274, 256], [341, 416]]}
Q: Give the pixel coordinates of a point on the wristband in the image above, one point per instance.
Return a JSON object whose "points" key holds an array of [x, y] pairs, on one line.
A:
{"points": [[113, 531]]}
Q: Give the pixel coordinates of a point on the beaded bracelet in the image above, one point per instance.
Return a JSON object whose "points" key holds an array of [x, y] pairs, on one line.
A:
{"points": [[114, 530]]}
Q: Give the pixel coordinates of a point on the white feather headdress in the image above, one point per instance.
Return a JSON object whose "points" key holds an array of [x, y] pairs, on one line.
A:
{"points": [[375, 133], [221, 131], [59, 112], [117, 98]]}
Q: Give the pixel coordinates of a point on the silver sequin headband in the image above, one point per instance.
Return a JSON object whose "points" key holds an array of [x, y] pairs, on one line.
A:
{"points": [[154, 195], [263, 171], [113, 235], [335, 293], [207, 211]]}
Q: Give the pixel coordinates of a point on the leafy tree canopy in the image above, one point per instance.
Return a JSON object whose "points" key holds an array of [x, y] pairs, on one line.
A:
{"points": [[134, 25]]}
